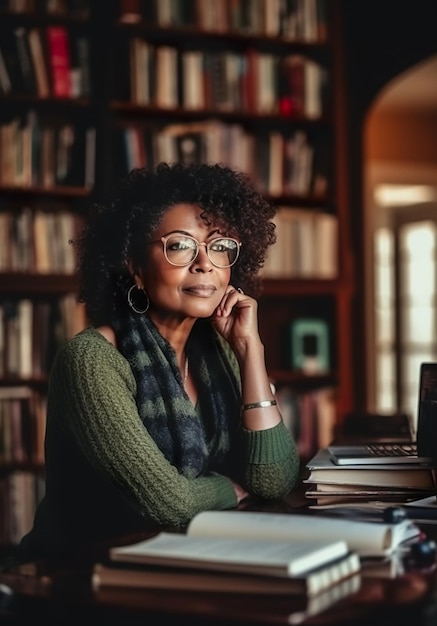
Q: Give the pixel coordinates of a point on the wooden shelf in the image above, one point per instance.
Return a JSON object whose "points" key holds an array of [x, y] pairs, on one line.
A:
{"points": [[37, 284], [27, 466], [37, 382], [179, 114], [280, 287], [207, 38], [304, 381], [52, 192]]}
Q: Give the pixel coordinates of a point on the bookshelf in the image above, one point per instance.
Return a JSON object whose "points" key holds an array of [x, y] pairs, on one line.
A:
{"points": [[242, 84], [47, 155]]}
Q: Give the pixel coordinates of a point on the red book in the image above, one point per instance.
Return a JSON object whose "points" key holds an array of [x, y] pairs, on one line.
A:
{"points": [[291, 86], [130, 11], [58, 45]]}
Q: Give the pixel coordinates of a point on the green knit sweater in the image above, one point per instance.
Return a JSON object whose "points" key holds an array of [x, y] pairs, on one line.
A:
{"points": [[105, 476]]}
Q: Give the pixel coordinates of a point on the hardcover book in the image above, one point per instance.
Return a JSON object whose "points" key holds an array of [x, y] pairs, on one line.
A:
{"points": [[58, 42], [137, 576], [293, 609], [413, 476]]}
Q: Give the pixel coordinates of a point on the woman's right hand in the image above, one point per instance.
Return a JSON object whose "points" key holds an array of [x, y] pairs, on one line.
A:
{"points": [[239, 492]]}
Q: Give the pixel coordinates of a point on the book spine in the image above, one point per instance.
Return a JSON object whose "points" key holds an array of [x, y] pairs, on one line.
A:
{"points": [[40, 63], [59, 58], [5, 81], [25, 62]]}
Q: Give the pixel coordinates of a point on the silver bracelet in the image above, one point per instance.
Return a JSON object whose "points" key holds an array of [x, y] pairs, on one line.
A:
{"points": [[258, 405]]}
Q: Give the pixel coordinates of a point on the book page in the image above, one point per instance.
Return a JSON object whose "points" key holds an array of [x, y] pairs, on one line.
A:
{"points": [[365, 538]]}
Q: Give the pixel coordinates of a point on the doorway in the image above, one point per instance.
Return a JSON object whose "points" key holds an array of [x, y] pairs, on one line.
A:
{"points": [[401, 238]]}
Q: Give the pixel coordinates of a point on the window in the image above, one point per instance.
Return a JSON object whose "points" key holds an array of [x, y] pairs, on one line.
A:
{"points": [[405, 255]]}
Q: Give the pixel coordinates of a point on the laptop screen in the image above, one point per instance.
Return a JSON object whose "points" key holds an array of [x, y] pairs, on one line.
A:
{"points": [[427, 411]]}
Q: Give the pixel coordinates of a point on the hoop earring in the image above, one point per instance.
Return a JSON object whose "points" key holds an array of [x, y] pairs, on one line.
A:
{"points": [[132, 304]]}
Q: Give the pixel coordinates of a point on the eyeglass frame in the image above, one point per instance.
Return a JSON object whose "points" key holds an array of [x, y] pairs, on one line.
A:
{"points": [[165, 238]]}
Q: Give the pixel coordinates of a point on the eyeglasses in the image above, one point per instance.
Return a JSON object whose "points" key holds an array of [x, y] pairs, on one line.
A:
{"points": [[181, 250]]}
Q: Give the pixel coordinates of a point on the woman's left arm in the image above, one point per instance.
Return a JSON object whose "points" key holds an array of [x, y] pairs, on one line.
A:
{"points": [[272, 465], [236, 319], [272, 458]]}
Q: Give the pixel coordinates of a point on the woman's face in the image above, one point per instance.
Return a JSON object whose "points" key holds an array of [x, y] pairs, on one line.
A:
{"points": [[193, 290]]}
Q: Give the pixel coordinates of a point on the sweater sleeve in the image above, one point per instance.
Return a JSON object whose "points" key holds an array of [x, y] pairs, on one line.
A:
{"points": [[92, 398], [271, 459]]}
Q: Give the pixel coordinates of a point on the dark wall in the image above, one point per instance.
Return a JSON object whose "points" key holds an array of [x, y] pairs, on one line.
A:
{"points": [[382, 38]]}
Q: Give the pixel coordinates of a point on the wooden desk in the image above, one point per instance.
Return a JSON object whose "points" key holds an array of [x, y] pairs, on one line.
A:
{"points": [[60, 594]]}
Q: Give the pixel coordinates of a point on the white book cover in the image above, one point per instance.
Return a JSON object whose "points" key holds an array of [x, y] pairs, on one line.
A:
{"points": [[326, 245], [166, 69], [192, 80], [276, 173], [25, 319]]}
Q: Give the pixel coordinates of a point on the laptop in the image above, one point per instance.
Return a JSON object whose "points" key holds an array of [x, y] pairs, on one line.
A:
{"points": [[422, 451]]}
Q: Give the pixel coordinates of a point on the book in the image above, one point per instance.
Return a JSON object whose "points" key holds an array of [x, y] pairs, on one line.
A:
{"points": [[36, 45], [12, 63], [141, 55], [58, 44], [252, 536], [326, 494], [414, 477], [5, 82], [130, 11], [224, 552], [166, 69], [80, 75], [326, 245], [363, 491], [25, 322], [365, 538], [136, 576], [24, 56], [192, 80], [294, 609]]}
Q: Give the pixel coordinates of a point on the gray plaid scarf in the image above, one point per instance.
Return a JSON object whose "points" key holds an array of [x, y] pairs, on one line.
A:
{"points": [[195, 443]]}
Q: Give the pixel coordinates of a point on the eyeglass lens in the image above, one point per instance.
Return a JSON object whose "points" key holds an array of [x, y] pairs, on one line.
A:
{"points": [[222, 252]]}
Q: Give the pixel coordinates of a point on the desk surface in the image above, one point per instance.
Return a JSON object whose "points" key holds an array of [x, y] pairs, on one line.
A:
{"points": [[61, 594]]}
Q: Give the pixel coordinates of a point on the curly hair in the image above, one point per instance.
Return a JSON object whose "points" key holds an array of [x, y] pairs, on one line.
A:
{"points": [[116, 233]]}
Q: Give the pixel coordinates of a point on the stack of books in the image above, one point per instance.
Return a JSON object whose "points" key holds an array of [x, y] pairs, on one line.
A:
{"points": [[234, 552], [328, 484], [313, 558]]}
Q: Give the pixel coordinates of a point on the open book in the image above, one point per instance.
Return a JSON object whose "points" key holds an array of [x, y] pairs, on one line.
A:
{"points": [[269, 556], [275, 544]]}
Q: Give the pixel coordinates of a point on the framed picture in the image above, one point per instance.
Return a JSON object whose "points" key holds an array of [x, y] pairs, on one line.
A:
{"points": [[310, 345]]}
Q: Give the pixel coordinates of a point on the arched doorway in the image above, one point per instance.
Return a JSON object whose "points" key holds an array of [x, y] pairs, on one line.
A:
{"points": [[400, 143]]}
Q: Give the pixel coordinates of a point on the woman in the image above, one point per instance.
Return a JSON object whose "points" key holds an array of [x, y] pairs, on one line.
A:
{"points": [[163, 408]]}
